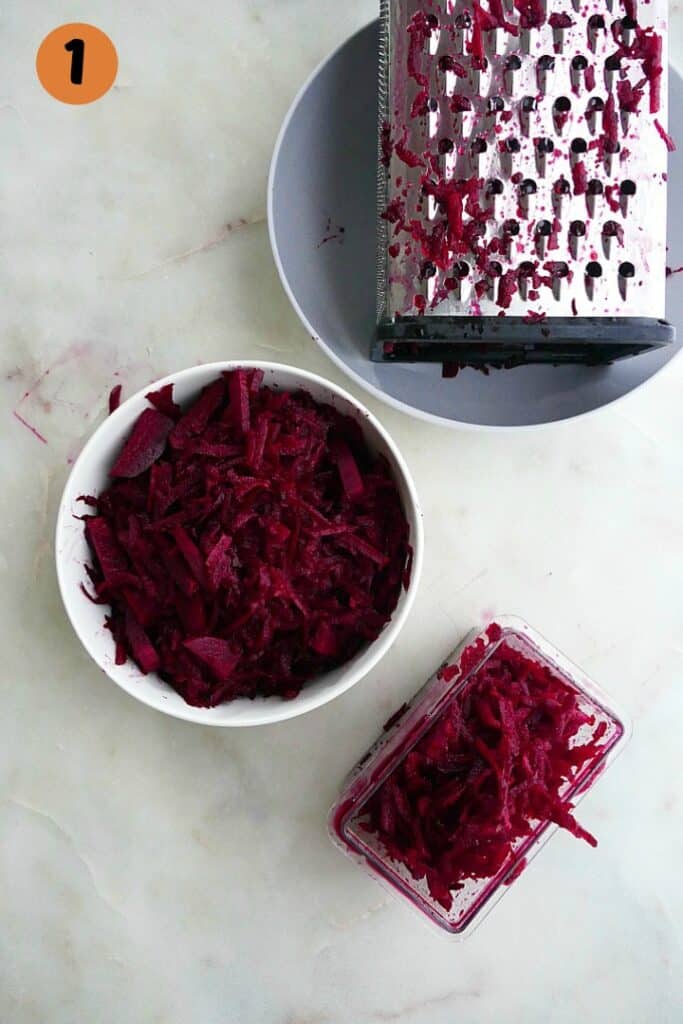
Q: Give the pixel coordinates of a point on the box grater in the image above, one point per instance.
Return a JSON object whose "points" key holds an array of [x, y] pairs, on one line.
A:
{"points": [[522, 184]]}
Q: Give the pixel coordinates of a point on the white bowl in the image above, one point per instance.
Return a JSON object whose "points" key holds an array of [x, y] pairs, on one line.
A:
{"points": [[90, 475]]}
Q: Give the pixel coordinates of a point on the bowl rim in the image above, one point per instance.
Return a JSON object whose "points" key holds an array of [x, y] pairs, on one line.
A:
{"points": [[368, 386], [282, 710]]}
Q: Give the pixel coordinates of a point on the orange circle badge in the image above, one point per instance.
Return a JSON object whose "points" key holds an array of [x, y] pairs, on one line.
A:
{"points": [[77, 63]]}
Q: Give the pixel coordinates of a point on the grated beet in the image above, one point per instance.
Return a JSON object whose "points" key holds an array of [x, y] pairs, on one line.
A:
{"points": [[349, 473], [217, 654], [580, 178], [139, 643], [386, 145], [162, 400], [490, 770], [531, 13], [664, 135], [145, 444], [115, 398], [247, 542], [560, 21]]}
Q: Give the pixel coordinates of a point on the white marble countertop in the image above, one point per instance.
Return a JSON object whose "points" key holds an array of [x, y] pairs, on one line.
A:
{"points": [[152, 871]]}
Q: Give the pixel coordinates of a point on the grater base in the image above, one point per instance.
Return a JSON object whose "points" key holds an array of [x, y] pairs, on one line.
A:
{"points": [[517, 341]]}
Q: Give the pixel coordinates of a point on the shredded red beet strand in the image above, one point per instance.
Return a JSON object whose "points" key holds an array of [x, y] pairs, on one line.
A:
{"points": [[386, 145], [580, 178], [246, 543], [115, 398], [162, 400], [144, 445], [487, 773], [560, 21], [531, 13], [663, 134]]}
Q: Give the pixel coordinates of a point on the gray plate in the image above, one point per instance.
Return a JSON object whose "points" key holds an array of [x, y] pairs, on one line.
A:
{"points": [[323, 179]]}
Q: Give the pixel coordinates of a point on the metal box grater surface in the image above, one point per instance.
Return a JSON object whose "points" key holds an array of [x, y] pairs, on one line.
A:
{"points": [[522, 184]]}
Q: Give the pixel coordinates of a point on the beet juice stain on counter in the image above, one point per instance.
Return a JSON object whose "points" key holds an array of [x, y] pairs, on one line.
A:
{"points": [[470, 778], [523, 169]]}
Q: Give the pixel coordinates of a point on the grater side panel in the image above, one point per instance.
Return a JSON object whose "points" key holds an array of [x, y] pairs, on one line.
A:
{"points": [[566, 226]]}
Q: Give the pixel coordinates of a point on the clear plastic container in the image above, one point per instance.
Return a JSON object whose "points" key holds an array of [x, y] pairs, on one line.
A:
{"points": [[477, 897]]}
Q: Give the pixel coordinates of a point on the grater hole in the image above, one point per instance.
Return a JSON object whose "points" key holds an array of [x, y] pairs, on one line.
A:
{"points": [[579, 145], [610, 228], [613, 62], [561, 187], [612, 146], [496, 104], [628, 24], [594, 187], [479, 146], [594, 269], [579, 63], [513, 63], [432, 21], [446, 146], [595, 104], [526, 269], [545, 145], [511, 227], [462, 269], [494, 269], [546, 62], [577, 228], [558, 269], [544, 228], [495, 187], [528, 187], [562, 105], [528, 104], [596, 22], [433, 105], [628, 187], [428, 269], [463, 21], [627, 270], [512, 145]]}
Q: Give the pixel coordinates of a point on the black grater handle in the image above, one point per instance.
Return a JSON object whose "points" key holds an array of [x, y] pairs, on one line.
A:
{"points": [[516, 341]]}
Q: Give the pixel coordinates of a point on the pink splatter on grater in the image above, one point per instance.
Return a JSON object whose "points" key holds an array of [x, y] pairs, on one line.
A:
{"points": [[522, 189]]}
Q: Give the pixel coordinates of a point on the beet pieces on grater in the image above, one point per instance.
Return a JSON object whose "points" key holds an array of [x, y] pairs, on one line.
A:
{"points": [[514, 136]]}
